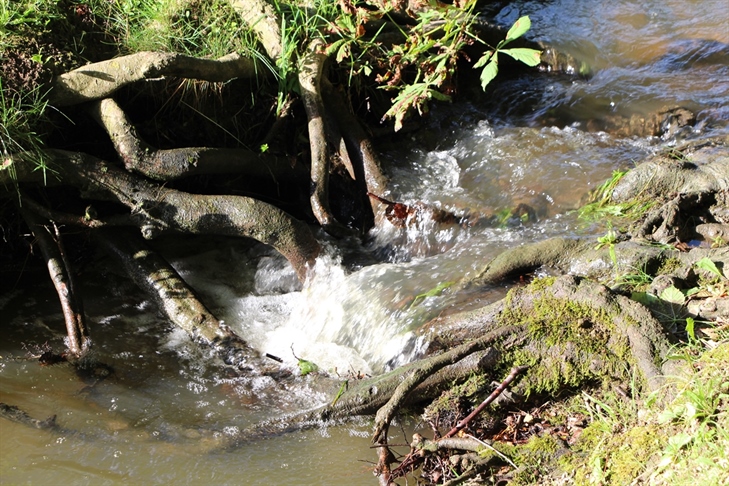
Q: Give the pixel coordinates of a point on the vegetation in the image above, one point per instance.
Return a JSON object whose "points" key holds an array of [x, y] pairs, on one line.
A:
{"points": [[216, 87], [183, 94]]}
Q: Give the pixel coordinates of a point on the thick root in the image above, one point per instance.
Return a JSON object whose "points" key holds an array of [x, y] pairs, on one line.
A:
{"points": [[99, 80]]}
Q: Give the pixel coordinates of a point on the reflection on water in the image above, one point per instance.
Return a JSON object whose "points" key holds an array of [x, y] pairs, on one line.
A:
{"points": [[160, 418]]}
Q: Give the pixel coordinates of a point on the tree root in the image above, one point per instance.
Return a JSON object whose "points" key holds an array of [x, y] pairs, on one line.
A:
{"points": [[310, 74], [522, 260], [686, 170], [365, 397], [99, 80], [426, 368], [260, 17], [167, 165], [157, 209]]}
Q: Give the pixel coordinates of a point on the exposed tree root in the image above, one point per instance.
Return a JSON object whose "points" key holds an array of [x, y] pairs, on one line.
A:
{"points": [[426, 368], [99, 80], [78, 340], [157, 209], [310, 74], [524, 259], [688, 170], [263, 21], [167, 165], [365, 397]]}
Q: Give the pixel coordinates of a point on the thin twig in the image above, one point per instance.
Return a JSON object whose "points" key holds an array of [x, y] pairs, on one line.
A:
{"points": [[460, 425]]}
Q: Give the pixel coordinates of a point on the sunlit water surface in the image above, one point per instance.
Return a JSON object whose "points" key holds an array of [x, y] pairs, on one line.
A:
{"points": [[160, 417]]}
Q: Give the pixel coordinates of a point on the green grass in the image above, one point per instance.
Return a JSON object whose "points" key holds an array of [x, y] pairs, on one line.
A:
{"points": [[20, 113], [672, 437], [601, 206]]}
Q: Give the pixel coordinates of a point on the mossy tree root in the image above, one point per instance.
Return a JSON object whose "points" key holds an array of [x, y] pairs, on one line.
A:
{"points": [[367, 396], [100, 80], [426, 368], [524, 259]]}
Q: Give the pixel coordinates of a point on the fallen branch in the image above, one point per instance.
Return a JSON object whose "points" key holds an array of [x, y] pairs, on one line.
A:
{"points": [[461, 424], [51, 246], [176, 300]]}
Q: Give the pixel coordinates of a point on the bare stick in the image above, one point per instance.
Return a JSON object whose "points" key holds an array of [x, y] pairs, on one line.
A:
{"points": [[418, 375], [58, 268], [460, 425]]}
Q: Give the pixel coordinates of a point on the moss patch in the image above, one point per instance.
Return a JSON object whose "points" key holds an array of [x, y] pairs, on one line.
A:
{"points": [[568, 343]]}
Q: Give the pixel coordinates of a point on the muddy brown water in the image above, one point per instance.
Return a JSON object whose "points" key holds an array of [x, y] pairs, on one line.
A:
{"points": [[159, 417]]}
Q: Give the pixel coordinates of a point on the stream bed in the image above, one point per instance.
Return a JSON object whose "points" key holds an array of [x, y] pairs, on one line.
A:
{"points": [[159, 416]]}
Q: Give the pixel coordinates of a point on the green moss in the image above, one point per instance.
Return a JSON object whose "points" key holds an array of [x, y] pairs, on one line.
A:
{"points": [[668, 266], [569, 343], [535, 459]]}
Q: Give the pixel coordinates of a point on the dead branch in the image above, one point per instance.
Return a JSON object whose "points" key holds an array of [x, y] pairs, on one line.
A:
{"points": [[502, 386], [78, 341], [99, 80], [176, 300]]}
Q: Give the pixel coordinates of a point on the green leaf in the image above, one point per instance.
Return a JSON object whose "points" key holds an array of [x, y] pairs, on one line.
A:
{"points": [[673, 295], [341, 391], [690, 329], [307, 367], [484, 59], [489, 72], [432, 292], [518, 29], [706, 264], [644, 298], [530, 57]]}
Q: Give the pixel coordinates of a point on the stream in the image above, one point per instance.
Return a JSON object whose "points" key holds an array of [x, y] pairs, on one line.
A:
{"points": [[158, 418]]}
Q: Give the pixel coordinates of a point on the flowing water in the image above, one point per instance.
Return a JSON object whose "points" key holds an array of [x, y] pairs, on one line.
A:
{"points": [[159, 417]]}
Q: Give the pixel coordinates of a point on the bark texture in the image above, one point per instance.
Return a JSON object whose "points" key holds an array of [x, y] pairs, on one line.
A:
{"points": [[176, 300], [100, 80]]}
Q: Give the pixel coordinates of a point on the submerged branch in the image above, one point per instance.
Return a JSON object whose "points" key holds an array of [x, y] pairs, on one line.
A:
{"points": [[78, 341], [175, 298]]}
